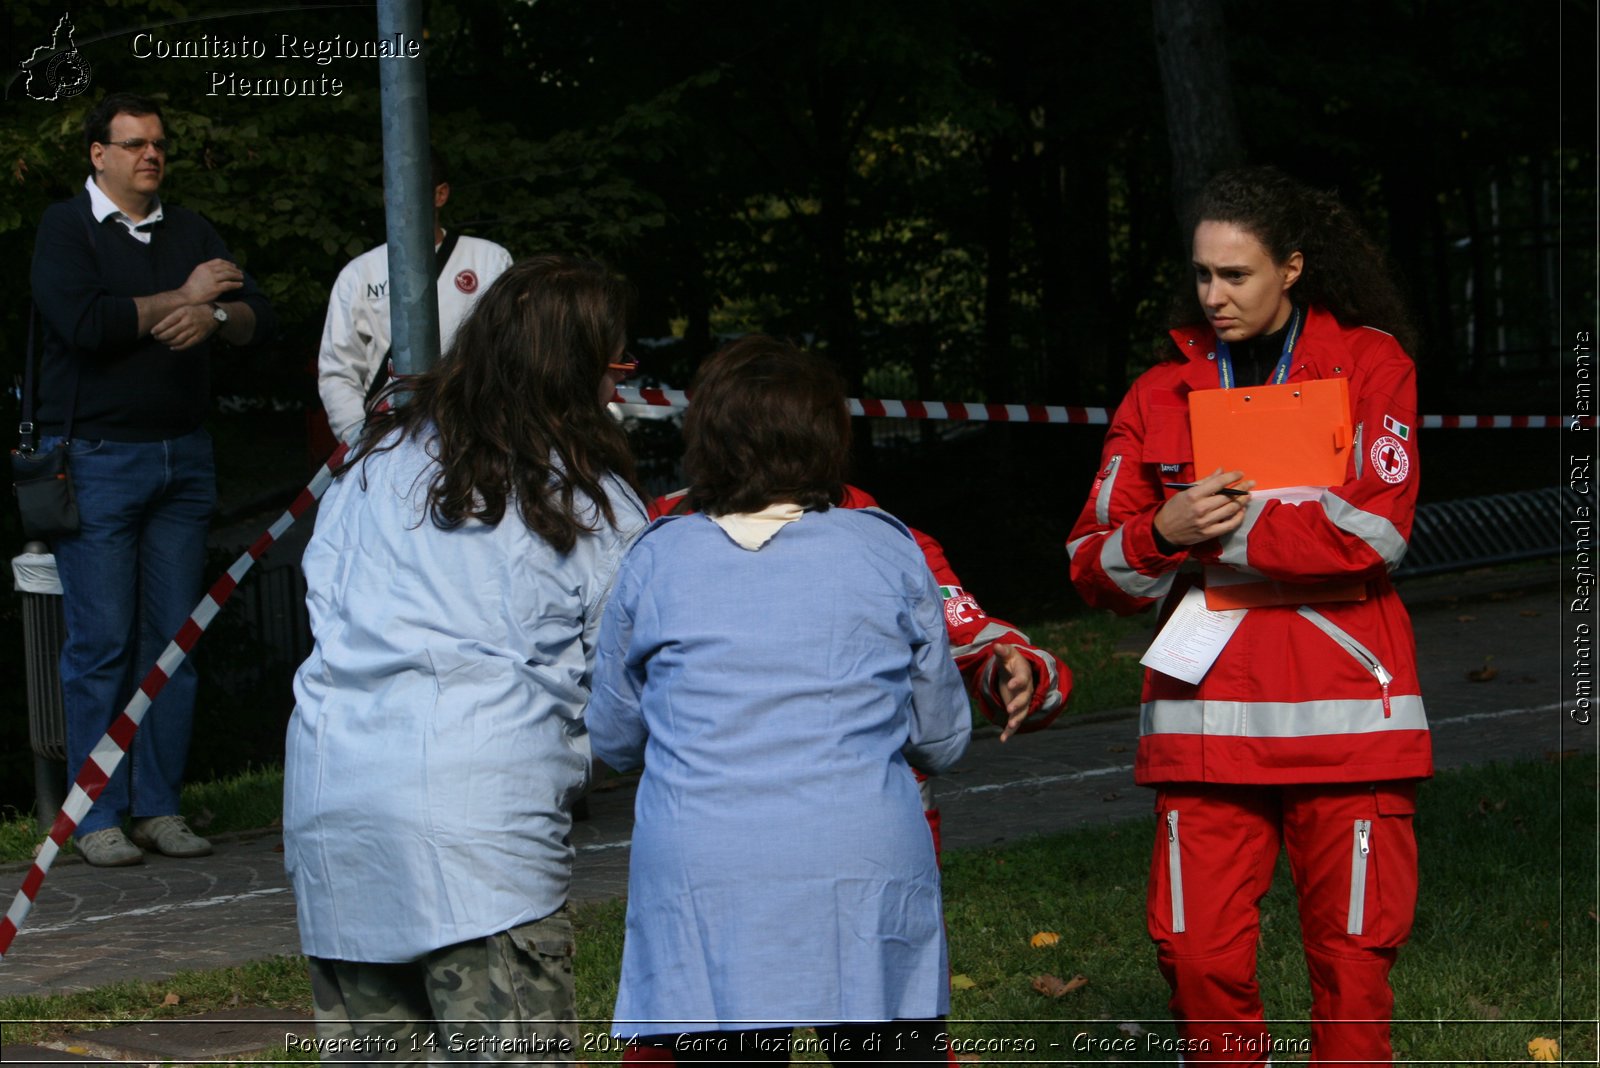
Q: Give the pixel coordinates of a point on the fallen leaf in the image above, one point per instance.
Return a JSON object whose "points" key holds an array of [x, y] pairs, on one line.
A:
{"points": [[171, 999], [1485, 806], [81, 1051], [1130, 1029], [1053, 986], [1044, 938], [1112, 796], [1528, 613], [1485, 673], [1116, 749], [962, 982], [1544, 1049], [1466, 619]]}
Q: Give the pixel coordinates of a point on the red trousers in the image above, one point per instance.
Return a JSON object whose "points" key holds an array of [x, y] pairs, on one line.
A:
{"points": [[1353, 857]]}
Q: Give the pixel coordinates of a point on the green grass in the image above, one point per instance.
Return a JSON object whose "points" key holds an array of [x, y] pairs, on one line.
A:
{"points": [[1503, 950]]}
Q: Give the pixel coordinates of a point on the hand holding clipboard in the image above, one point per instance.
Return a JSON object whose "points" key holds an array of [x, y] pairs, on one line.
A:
{"points": [[1291, 436]]}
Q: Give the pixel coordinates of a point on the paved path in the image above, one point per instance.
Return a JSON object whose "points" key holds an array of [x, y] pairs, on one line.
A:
{"points": [[93, 926]]}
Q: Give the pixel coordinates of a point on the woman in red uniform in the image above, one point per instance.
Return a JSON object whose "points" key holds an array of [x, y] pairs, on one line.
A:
{"points": [[1307, 732]]}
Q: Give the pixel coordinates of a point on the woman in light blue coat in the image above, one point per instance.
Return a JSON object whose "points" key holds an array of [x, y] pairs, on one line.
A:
{"points": [[456, 580], [779, 667]]}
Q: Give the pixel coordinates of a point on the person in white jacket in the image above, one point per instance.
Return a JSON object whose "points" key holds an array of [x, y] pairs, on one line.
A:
{"points": [[355, 334]]}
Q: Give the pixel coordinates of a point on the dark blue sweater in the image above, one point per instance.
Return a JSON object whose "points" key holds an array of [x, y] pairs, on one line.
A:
{"points": [[129, 388]]}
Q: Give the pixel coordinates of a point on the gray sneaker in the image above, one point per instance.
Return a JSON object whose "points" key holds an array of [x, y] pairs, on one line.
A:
{"points": [[170, 836], [109, 848]]}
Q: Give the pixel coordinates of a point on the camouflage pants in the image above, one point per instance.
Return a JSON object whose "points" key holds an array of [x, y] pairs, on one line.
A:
{"points": [[506, 998]]}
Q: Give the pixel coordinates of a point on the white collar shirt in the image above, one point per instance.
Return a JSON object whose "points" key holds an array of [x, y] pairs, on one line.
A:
{"points": [[103, 208]]}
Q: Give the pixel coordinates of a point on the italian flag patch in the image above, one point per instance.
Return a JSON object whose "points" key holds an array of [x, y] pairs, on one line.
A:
{"points": [[1397, 428]]}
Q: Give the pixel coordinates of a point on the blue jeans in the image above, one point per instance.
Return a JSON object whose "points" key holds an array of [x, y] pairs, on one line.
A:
{"points": [[130, 577]]}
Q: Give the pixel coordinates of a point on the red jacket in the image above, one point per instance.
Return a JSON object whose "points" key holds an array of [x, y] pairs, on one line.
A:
{"points": [[1300, 694], [974, 635]]}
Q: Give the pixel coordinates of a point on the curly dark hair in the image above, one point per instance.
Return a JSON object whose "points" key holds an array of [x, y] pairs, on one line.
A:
{"points": [[767, 423], [512, 412], [1344, 272]]}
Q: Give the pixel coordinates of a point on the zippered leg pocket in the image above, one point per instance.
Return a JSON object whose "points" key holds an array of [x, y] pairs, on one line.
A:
{"points": [[1360, 850], [1175, 872]]}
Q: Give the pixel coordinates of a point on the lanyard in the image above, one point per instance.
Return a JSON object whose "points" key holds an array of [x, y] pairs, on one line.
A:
{"points": [[1281, 371]]}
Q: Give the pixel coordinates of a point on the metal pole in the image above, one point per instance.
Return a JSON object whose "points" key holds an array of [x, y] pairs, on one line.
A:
{"points": [[408, 192]]}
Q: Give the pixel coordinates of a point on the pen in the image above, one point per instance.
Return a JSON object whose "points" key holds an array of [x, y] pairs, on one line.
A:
{"points": [[1226, 491]]}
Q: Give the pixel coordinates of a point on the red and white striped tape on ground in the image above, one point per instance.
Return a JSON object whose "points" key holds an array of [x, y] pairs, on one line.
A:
{"points": [[975, 412], [111, 748]]}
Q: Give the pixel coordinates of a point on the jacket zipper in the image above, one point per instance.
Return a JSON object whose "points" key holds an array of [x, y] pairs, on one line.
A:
{"points": [[1175, 872], [1355, 649], [1360, 847]]}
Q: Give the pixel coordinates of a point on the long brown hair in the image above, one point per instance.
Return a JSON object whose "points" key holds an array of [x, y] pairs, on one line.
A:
{"points": [[513, 410], [767, 423]]}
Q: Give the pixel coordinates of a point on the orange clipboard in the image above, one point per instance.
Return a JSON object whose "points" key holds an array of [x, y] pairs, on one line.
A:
{"points": [[1294, 434]]}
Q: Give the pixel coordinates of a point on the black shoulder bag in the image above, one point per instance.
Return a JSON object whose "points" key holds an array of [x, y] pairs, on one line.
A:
{"points": [[43, 481]]}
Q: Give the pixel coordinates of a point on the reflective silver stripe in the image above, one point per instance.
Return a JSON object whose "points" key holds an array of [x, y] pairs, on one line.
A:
{"points": [[1102, 500], [1131, 582], [1381, 536], [1236, 543], [1175, 872], [1281, 719], [1341, 636], [1360, 846], [1074, 546], [991, 633]]}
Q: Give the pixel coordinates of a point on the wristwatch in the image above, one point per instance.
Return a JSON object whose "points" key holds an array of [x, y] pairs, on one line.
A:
{"points": [[219, 313]]}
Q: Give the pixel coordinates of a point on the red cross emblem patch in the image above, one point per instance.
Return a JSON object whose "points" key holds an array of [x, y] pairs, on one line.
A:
{"points": [[467, 281], [1389, 459]]}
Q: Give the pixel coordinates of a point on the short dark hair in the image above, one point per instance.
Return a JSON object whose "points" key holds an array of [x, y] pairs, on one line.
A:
{"points": [[97, 123], [767, 423]]}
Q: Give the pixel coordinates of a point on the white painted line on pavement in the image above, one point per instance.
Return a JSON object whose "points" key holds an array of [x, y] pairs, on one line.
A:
{"points": [[599, 846], [154, 910], [1043, 780], [1502, 714]]}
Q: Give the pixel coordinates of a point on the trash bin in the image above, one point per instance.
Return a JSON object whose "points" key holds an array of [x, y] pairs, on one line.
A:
{"points": [[43, 632]]}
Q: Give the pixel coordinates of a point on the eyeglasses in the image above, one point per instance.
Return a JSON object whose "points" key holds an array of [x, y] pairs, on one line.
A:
{"points": [[627, 365], [136, 144]]}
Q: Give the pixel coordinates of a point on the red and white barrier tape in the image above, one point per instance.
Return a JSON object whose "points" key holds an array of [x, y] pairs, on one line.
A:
{"points": [[974, 412], [111, 748]]}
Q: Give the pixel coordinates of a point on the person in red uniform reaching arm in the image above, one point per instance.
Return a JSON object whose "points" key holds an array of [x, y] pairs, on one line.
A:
{"points": [[1308, 731]]}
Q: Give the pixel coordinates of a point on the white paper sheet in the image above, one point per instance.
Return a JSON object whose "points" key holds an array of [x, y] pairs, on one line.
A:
{"points": [[1192, 639]]}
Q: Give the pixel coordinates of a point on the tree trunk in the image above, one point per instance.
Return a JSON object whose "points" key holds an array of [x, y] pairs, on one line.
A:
{"points": [[1202, 123], [1000, 169]]}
